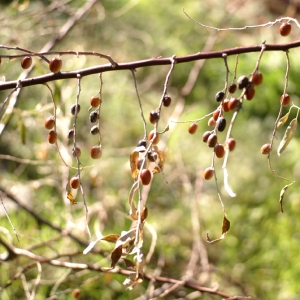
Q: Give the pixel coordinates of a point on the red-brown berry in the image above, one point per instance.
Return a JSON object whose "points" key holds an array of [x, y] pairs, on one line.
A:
{"points": [[96, 152], [145, 176], [211, 122], [49, 123], [55, 64], [71, 134], [216, 114], [167, 100], [208, 173], [153, 134], [285, 29], [232, 88], [95, 101], [234, 103], [212, 140], [250, 92], [76, 293], [205, 136], [52, 137], [225, 105], [285, 99], [256, 78], [193, 128], [76, 152], [219, 150], [242, 82], [231, 144], [74, 182], [153, 117], [265, 149], [26, 62]]}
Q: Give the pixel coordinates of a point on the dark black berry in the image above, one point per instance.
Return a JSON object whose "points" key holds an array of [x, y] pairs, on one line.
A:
{"points": [[95, 130], [220, 96], [71, 134], [75, 109], [94, 116], [221, 124], [242, 82], [142, 143]]}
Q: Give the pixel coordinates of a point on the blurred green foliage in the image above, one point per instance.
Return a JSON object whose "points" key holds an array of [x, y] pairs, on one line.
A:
{"points": [[259, 256]]}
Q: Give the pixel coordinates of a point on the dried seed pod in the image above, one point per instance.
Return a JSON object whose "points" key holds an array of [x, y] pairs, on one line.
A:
{"points": [[212, 140], [94, 116], [242, 82], [220, 96], [75, 109], [95, 130], [221, 124]]}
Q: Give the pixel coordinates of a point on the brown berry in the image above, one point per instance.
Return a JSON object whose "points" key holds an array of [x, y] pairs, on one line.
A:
{"points": [[71, 134], [167, 100], [26, 62], [220, 96], [216, 114], [96, 152], [225, 105], [193, 128], [153, 117], [242, 82], [250, 92], [76, 152], [285, 29], [232, 88], [142, 143], [212, 140], [256, 78], [234, 103], [95, 130], [211, 122], [153, 135], [231, 144], [152, 156], [205, 136], [52, 137], [208, 173], [285, 99], [221, 124], [76, 293], [95, 101], [74, 182], [219, 150], [49, 123], [145, 176], [55, 64], [265, 149], [75, 109]]}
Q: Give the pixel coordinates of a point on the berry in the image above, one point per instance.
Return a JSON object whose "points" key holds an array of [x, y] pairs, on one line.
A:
{"points": [[153, 117], [193, 128], [55, 64], [212, 140], [219, 96], [74, 182], [265, 149], [49, 123], [242, 82], [256, 78], [94, 116], [95, 130], [76, 293], [75, 109], [145, 177], [76, 152], [71, 134], [205, 136], [231, 144], [153, 134], [208, 173], [232, 88], [167, 100], [219, 150], [221, 124], [216, 114], [285, 99], [250, 92], [211, 122], [234, 103], [95, 101], [152, 156], [96, 152], [225, 105], [142, 143], [285, 29], [26, 62], [52, 137]]}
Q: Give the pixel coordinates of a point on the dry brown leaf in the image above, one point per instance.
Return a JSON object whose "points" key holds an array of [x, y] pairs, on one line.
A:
{"points": [[288, 135], [134, 164], [116, 255], [282, 192], [225, 228], [160, 165], [283, 120], [112, 238], [144, 214], [129, 264], [133, 209]]}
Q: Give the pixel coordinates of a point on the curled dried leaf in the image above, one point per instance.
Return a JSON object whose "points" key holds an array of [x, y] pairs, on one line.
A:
{"points": [[225, 228], [160, 165], [283, 120], [116, 255], [134, 156], [112, 238], [282, 192], [288, 135], [69, 193]]}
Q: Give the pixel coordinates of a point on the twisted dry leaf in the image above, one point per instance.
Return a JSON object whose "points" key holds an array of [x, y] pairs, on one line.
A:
{"points": [[283, 120], [288, 135], [225, 228]]}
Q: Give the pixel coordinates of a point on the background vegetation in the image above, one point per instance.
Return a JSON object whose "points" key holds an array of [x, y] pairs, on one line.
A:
{"points": [[259, 256]]}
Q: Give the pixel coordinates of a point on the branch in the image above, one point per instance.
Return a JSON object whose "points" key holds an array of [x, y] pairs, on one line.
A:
{"points": [[146, 63]]}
